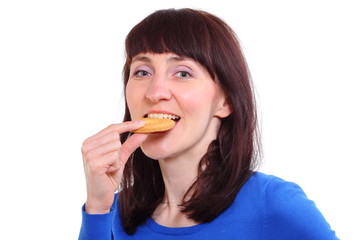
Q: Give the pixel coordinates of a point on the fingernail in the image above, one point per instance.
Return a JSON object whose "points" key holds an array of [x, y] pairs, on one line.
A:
{"points": [[139, 123]]}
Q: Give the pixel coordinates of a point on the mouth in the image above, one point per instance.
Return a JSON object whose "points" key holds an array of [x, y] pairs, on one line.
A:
{"points": [[161, 115]]}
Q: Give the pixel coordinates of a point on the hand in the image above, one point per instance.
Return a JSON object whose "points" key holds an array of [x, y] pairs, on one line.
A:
{"points": [[104, 158]]}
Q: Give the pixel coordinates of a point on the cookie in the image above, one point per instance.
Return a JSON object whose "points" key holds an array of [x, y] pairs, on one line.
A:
{"points": [[155, 125]]}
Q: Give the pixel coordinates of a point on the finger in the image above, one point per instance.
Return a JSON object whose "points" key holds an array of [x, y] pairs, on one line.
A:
{"points": [[98, 151], [119, 128], [102, 140], [104, 163], [130, 145], [115, 170], [115, 164]]}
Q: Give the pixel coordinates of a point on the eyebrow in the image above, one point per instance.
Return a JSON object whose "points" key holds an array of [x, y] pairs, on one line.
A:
{"points": [[142, 58], [176, 59]]}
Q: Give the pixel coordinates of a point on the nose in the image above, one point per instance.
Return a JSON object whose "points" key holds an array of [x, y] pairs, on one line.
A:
{"points": [[158, 89]]}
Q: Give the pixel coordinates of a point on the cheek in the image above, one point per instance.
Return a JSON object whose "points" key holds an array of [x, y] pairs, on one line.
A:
{"points": [[200, 101], [128, 95], [132, 98]]}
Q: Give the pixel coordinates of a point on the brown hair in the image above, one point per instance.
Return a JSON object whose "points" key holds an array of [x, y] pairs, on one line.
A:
{"points": [[231, 158]]}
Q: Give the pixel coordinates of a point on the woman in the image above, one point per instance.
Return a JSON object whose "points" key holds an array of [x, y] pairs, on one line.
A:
{"points": [[197, 180]]}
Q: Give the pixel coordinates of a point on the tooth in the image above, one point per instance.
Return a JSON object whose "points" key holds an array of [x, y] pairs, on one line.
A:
{"points": [[160, 115]]}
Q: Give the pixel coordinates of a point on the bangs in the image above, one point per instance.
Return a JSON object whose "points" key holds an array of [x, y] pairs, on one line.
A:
{"points": [[182, 32]]}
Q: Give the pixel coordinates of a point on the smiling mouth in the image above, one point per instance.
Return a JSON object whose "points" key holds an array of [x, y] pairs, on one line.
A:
{"points": [[161, 115]]}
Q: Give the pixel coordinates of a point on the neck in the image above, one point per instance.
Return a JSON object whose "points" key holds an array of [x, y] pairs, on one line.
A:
{"points": [[178, 176]]}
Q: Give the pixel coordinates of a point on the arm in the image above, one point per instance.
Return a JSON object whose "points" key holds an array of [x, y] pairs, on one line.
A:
{"points": [[96, 226], [104, 158]]}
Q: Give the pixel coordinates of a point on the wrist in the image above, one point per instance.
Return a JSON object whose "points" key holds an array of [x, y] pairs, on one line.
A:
{"points": [[91, 208]]}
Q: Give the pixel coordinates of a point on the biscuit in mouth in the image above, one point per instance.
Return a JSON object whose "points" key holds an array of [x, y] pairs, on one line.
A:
{"points": [[157, 123]]}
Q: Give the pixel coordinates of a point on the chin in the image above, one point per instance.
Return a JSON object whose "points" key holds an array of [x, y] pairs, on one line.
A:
{"points": [[157, 149], [156, 155]]}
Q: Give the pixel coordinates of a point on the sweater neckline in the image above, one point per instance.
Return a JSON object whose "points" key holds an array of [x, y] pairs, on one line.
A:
{"points": [[174, 230]]}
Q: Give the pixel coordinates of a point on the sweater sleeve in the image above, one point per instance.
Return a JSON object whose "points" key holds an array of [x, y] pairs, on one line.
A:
{"points": [[96, 226], [289, 214]]}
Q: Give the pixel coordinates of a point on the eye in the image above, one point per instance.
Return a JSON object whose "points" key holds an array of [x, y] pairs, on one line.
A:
{"points": [[183, 74], [141, 73]]}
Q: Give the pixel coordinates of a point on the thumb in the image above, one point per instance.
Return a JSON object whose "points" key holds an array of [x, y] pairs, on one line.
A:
{"points": [[130, 145], [127, 148]]}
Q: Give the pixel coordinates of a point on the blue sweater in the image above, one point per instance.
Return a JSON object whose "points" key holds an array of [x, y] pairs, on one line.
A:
{"points": [[266, 207]]}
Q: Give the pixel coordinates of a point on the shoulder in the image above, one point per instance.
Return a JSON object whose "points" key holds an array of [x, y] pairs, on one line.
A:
{"points": [[286, 210], [280, 195], [281, 198], [263, 179], [264, 185], [265, 196], [275, 189]]}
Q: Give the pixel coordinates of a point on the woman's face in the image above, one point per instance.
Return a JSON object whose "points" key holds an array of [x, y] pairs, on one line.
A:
{"points": [[180, 87]]}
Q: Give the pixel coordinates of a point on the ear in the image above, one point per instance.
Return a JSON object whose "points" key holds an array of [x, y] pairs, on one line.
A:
{"points": [[224, 108]]}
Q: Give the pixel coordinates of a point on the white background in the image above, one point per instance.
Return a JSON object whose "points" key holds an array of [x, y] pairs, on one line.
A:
{"points": [[61, 81]]}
